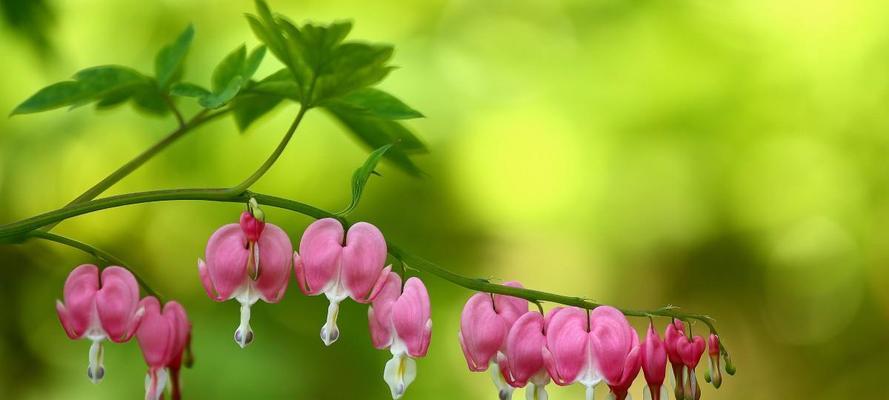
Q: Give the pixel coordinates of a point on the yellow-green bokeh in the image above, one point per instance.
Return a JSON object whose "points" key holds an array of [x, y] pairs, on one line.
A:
{"points": [[726, 157]]}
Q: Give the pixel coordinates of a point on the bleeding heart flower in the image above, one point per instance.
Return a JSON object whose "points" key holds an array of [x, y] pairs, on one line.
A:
{"points": [[714, 373], [484, 326], [615, 346], [568, 355], [400, 320], [97, 309], [675, 330], [690, 350], [654, 365], [247, 262], [340, 265], [163, 337], [524, 354]]}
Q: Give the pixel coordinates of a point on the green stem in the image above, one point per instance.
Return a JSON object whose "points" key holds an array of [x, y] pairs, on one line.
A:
{"points": [[95, 252], [103, 185], [243, 186]]}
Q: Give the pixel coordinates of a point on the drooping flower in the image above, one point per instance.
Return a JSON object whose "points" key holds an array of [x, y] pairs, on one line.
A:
{"points": [[690, 350], [654, 365], [675, 330], [400, 321], [98, 309], [247, 262], [568, 355], [714, 374], [339, 264], [163, 336], [524, 355], [615, 347], [484, 326]]}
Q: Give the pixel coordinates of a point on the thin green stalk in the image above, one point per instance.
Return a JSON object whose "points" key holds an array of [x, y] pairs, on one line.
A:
{"points": [[95, 252], [241, 187]]}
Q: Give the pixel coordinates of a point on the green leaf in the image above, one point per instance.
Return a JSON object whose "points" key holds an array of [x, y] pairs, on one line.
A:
{"points": [[376, 132], [280, 84], [150, 100], [229, 68], [248, 107], [185, 89], [377, 103], [89, 85], [253, 61], [168, 62], [361, 175], [216, 100]]}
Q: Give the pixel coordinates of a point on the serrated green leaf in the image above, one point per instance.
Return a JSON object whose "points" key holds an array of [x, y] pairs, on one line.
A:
{"points": [[168, 62], [377, 103], [89, 85], [279, 84], [150, 100], [185, 89], [115, 98], [248, 107], [361, 176], [377, 132], [216, 100], [229, 68]]}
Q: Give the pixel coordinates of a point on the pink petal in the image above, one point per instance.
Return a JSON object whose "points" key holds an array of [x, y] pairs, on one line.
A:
{"points": [[675, 330], [320, 250], [117, 302], [175, 314], [510, 308], [524, 348], [612, 340], [275, 253], [567, 344], [380, 312], [156, 334], [76, 313], [654, 358], [411, 317], [690, 350], [226, 255], [483, 331], [364, 257]]}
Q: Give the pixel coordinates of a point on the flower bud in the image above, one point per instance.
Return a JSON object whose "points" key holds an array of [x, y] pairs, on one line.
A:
{"points": [[714, 373]]}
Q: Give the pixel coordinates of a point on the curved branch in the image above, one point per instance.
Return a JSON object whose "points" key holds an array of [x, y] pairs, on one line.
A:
{"points": [[95, 252]]}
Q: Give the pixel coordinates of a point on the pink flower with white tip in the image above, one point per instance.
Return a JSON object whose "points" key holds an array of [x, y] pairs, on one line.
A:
{"points": [[400, 321], [524, 356], [484, 325], [714, 373], [675, 330], [615, 347], [654, 365], [163, 337], [97, 308], [339, 264], [690, 350], [249, 261], [568, 355]]}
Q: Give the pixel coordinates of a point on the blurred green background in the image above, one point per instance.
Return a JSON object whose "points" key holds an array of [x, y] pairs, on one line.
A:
{"points": [[727, 157]]}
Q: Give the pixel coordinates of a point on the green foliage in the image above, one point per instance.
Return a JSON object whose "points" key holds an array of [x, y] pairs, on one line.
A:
{"points": [[229, 76], [376, 132], [361, 176], [376, 103], [168, 62], [107, 84]]}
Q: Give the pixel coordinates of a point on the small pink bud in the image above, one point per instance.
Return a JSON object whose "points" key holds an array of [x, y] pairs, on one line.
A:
{"points": [[615, 345], [163, 336], [690, 350], [340, 264], [524, 353], [675, 331], [714, 374], [654, 364], [246, 269], [251, 226], [97, 309]]}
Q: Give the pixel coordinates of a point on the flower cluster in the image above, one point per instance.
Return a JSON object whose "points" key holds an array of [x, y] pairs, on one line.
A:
{"points": [[252, 260], [107, 306], [571, 345]]}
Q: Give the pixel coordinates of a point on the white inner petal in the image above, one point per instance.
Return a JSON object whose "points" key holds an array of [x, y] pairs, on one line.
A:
{"points": [[400, 371]]}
